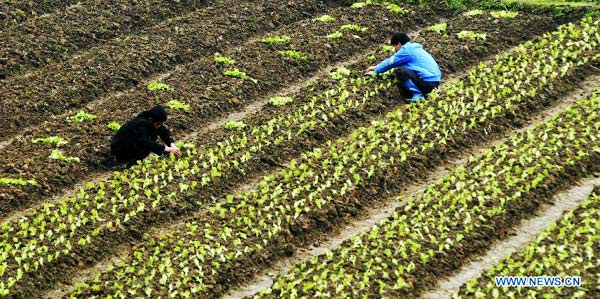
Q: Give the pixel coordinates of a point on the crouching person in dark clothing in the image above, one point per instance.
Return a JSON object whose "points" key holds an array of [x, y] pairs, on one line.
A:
{"points": [[136, 139]]}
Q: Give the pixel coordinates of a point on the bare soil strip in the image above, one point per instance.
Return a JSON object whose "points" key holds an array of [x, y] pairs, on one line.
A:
{"points": [[42, 41], [526, 232], [373, 215]]}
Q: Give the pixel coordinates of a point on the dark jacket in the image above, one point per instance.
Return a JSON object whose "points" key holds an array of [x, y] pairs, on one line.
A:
{"points": [[138, 137]]}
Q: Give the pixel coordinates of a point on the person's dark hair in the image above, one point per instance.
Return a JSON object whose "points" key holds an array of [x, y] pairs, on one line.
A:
{"points": [[156, 114], [399, 38]]}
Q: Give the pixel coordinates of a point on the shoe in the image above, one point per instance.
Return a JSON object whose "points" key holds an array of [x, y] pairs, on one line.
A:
{"points": [[417, 97]]}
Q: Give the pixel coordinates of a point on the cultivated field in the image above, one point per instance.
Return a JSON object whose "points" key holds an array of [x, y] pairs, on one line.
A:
{"points": [[300, 177]]}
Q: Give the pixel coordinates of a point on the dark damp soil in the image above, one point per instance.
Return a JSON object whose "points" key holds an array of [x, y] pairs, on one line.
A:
{"points": [[211, 95], [57, 37], [121, 64], [63, 269], [13, 12]]}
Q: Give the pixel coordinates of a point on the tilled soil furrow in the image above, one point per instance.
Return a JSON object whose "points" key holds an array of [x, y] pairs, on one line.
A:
{"points": [[345, 124], [383, 208], [55, 38], [122, 63], [54, 176]]}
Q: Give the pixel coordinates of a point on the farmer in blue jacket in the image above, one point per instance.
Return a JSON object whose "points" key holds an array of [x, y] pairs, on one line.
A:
{"points": [[416, 70]]}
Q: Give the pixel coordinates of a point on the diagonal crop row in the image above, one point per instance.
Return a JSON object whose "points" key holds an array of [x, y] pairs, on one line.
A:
{"points": [[28, 100], [569, 247], [202, 86], [207, 256], [160, 186], [55, 38], [457, 214]]}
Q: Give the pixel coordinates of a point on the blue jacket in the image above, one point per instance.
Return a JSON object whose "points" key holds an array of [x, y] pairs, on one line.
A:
{"points": [[413, 57]]}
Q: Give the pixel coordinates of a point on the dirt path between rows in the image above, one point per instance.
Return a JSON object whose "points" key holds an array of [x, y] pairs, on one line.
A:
{"points": [[523, 234], [265, 278]]}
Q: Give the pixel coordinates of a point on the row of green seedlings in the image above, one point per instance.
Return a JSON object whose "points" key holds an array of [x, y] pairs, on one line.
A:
{"points": [[569, 247], [57, 229], [183, 263], [353, 28], [394, 258]]}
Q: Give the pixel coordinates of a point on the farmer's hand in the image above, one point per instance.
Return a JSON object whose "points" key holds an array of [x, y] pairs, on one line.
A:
{"points": [[173, 149], [370, 71]]}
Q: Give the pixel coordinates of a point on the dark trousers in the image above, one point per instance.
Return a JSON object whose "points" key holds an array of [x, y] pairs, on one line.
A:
{"points": [[404, 75]]}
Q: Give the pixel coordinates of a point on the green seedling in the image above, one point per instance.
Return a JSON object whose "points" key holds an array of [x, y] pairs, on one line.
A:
{"points": [[359, 5], [276, 40], [223, 59], [82, 116], [114, 126], [58, 155], [53, 140], [473, 12], [16, 182], [388, 48], [235, 73], [397, 9], [335, 35], [174, 104], [353, 27], [294, 54], [325, 19], [234, 125], [504, 14], [438, 28], [340, 73], [156, 86], [281, 101], [470, 35]]}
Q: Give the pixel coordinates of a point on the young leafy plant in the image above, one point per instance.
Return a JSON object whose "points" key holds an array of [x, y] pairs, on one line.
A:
{"points": [[294, 55], [325, 19], [276, 40], [224, 60], [82, 116], [335, 35], [340, 73], [473, 12], [155, 86], [236, 73], [235, 125], [388, 48], [114, 126], [470, 35], [53, 140], [397, 9], [57, 154], [174, 104], [16, 182], [438, 28], [281, 101], [353, 27], [504, 14]]}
